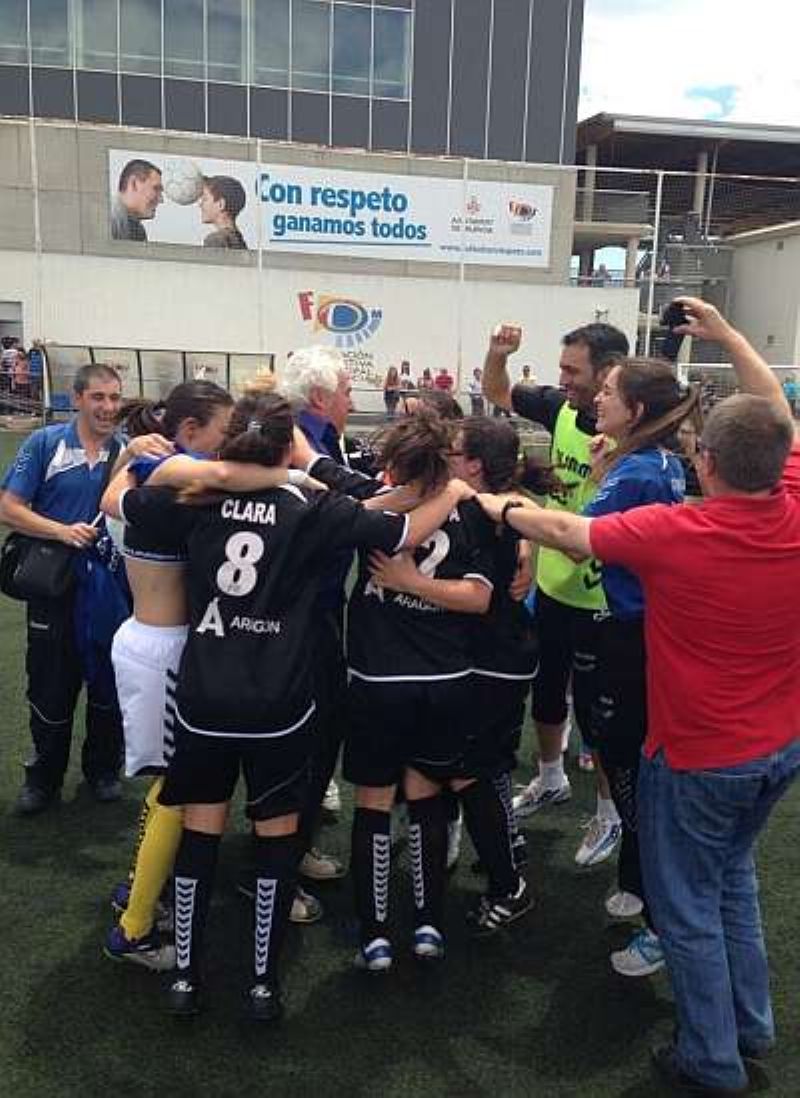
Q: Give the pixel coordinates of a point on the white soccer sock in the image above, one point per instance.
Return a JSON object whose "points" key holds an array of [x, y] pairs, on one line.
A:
{"points": [[552, 774], [606, 810]]}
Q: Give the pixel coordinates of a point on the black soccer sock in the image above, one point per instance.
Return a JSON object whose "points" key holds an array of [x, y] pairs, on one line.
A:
{"points": [[276, 874], [487, 824], [370, 865], [502, 783], [195, 867], [452, 805], [427, 837]]}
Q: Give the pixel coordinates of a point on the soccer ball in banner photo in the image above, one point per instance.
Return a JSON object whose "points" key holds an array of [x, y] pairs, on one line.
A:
{"points": [[349, 322], [183, 181]]}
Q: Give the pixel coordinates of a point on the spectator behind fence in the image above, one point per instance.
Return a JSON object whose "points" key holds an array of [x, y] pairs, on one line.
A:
{"points": [[444, 380], [475, 390], [52, 491], [20, 377], [721, 586], [391, 391], [36, 371]]}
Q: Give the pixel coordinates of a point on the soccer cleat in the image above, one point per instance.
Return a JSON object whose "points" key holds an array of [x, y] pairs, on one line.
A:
{"points": [[455, 829], [495, 912], [32, 800], [599, 842], [428, 944], [642, 956], [535, 796], [163, 914], [332, 801], [106, 790], [321, 867], [623, 905], [183, 998], [146, 951], [263, 1003], [375, 956], [306, 909]]}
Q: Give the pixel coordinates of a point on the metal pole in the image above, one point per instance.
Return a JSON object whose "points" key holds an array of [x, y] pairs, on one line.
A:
{"points": [[460, 340], [711, 186], [651, 289]]}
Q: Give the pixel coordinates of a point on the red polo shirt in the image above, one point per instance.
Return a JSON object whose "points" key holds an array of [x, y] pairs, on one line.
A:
{"points": [[722, 620]]}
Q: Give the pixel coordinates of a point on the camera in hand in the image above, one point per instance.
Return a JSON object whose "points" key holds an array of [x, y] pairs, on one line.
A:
{"points": [[674, 316]]}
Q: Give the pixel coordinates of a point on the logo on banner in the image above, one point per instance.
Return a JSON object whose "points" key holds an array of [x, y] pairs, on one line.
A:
{"points": [[520, 216], [349, 321]]}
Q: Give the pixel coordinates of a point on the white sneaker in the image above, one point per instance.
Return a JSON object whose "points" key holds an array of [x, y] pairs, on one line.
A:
{"points": [[623, 905], [599, 842], [642, 957], [321, 867], [535, 795], [454, 831], [332, 801]]}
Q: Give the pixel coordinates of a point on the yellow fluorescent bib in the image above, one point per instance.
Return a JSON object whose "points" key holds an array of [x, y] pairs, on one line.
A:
{"points": [[559, 577]]}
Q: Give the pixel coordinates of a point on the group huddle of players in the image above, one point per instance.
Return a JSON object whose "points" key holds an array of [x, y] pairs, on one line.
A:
{"points": [[233, 662]]}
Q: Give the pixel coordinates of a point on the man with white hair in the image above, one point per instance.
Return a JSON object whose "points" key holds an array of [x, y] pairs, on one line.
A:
{"points": [[316, 382]]}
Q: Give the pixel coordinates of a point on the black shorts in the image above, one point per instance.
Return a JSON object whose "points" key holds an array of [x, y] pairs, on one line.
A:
{"points": [[205, 770], [619, 715], [568, 643], [397, 725], [496, 725]]}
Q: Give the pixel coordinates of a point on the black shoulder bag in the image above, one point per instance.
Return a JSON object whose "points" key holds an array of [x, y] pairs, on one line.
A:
{"points": [[40, 568]]}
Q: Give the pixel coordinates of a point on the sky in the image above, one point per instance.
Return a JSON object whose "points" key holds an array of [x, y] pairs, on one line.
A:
{"points": [[716, 59]]}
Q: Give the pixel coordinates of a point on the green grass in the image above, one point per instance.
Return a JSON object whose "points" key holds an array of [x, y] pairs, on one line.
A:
{"points": [[538, 1012]]}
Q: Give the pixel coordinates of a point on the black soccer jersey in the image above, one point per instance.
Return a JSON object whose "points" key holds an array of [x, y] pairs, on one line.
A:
{"points": [[504, 640], [254, 563], [163, 544], [393, 636]]}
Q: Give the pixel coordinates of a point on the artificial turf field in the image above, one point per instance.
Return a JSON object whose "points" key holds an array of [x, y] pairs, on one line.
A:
{"points": [[537, 1011]]}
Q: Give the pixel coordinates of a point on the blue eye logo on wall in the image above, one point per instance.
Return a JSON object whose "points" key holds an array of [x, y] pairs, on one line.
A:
{"points": [[348, 321]]}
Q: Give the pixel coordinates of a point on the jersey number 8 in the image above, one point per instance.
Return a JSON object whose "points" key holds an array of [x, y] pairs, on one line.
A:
{"points": [[238, 575]]}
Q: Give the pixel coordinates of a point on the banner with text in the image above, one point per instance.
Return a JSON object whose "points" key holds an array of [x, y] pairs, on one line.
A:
{"points": [[285, 208]]}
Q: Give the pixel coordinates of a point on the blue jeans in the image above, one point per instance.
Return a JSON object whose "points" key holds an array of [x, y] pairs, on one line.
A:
{"points": [[697, 829]]}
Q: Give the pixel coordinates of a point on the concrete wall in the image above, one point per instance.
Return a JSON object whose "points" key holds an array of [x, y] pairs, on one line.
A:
{"points": [[105, 302], [766, 293]]}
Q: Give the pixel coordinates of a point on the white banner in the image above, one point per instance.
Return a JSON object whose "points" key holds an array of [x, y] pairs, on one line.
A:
{"points": [[284, 208]]}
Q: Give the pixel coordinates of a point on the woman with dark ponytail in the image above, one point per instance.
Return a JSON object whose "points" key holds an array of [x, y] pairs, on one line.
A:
{"points": [[504, 655]]}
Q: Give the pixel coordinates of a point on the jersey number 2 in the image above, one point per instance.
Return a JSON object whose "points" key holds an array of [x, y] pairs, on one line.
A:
{"points": [[439, 545], [238, 575]]}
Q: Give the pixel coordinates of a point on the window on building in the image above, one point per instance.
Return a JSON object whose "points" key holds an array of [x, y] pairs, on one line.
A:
{"points": [[391, 66], [50, 37], [311, 36], [352, 41], [270, 38], [14, 31], [96, 34], [140, 35], [226, 23], [184, 38]]}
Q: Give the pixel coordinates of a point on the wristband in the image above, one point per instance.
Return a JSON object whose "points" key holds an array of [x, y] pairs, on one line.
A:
{"points": [[509, 505]]}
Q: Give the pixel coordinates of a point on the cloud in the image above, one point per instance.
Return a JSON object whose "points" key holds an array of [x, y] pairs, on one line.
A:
{"points": [[692, 59]]}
